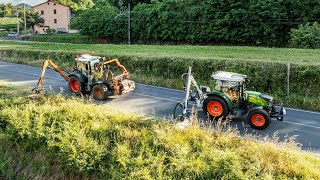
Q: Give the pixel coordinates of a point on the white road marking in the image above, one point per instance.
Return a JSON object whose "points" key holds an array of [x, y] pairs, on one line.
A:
{"points": [[59, 79], [161, 87], [301, 110], [157, 97], [317, 127]]}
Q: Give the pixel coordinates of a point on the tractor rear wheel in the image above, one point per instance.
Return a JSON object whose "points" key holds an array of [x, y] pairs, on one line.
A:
{"points": [[100, 92], [75, 85], [216, 107], [259, 119]]}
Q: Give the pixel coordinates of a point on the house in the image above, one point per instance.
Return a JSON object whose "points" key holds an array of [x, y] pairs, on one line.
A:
{"points": [[55, 15]]}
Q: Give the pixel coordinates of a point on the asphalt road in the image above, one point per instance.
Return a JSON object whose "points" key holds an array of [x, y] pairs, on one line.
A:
{"points": [[160, 102]]}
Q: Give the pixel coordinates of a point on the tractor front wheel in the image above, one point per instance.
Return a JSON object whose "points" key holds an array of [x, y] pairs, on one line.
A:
{"points": [[215, 107], [100, 92], [259, 119], [75, 85]]}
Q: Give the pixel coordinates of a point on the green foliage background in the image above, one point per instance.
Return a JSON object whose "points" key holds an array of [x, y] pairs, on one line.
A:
{"points": [[192, 21]]}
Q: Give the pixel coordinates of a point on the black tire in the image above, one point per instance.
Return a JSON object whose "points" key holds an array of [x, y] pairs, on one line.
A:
{"points": [[259, 119], [75, 85], [221, 109], [100, 92]]}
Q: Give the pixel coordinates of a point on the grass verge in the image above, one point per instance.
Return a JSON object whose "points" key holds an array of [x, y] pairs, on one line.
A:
{"points": [[101, 142], [232, 53]]}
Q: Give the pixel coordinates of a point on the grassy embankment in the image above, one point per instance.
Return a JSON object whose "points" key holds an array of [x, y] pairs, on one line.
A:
{"points": [[163, 65], [58, 137]]}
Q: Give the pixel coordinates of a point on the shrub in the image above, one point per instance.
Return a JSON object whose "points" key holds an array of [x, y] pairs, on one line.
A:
{"points": [[306, 36], [50, 31]]}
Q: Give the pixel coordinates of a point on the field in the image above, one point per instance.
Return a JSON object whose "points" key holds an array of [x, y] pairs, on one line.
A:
{"points": [[88, 142], [232, 53]]}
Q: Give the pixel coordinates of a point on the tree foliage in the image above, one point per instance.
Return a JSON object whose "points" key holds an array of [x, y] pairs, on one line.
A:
{"points": [[258, 22], [33, 18], [6, 10], [77, 5], [306, 36], [102, 20]]}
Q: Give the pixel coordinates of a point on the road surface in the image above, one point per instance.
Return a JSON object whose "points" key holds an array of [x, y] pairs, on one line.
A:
{"points": [[159, 102]]}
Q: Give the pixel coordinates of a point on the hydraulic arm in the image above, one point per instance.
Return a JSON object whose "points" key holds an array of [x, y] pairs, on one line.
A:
{"points": [[198, 96], [45, 64]]}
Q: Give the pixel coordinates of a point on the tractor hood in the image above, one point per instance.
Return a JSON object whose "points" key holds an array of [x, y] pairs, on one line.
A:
{"points": [[259, 98]]}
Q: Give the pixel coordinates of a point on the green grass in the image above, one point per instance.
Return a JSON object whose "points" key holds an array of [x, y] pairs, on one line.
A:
{"points": [[101, 141], [232, 53], [8, 20]]}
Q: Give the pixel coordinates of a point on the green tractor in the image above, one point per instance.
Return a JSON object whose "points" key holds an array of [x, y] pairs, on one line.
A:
{"points": [[230, 97]]}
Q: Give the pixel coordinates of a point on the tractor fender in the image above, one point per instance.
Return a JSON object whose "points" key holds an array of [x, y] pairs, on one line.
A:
{"points": [[78, 75], [253, 109], [219, 94]]}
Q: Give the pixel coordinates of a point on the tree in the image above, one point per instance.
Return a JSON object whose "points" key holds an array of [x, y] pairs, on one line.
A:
{"points": [[76, 5], [2, 6], [123, 4], [33, 19], [8, 10]]}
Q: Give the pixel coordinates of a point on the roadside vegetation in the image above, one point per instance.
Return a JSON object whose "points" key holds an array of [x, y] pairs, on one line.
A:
{"points": [[98, 142]]}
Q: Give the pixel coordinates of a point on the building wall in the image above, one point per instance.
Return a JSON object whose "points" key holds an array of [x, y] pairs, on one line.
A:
{"points": [[62, 16]]}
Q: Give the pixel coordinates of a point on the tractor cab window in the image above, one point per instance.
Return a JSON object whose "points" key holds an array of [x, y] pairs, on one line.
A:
{"points": [[227, 87]]}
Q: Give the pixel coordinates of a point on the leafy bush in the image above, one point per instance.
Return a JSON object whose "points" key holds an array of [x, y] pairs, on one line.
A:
{"points": [[50, 31], [306, 36], [4, 33], [112, 145]]}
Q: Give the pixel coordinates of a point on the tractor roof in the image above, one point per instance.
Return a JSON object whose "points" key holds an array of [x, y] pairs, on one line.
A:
{"points": [[228, 76], [88, 57]]}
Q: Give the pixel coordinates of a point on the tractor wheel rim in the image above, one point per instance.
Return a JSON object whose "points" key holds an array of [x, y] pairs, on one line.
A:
{"points": [[258, 120], [215, 108], [74, 85], [98, 92]]}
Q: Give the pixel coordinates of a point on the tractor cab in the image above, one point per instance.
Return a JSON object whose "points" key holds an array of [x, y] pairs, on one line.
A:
{"points": [[86, 63], [230, 84]]}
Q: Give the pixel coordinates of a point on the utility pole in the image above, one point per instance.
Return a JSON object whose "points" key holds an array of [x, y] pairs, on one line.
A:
{"points": [[129, 23], [17, 20], [24, 16]]}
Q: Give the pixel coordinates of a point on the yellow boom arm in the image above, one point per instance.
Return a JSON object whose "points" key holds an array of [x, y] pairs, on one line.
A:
{"points": [[45, 64]]}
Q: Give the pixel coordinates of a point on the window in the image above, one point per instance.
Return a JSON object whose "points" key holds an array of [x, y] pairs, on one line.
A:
{"points": [[55, 21], [42, 12], [54, 11]]}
